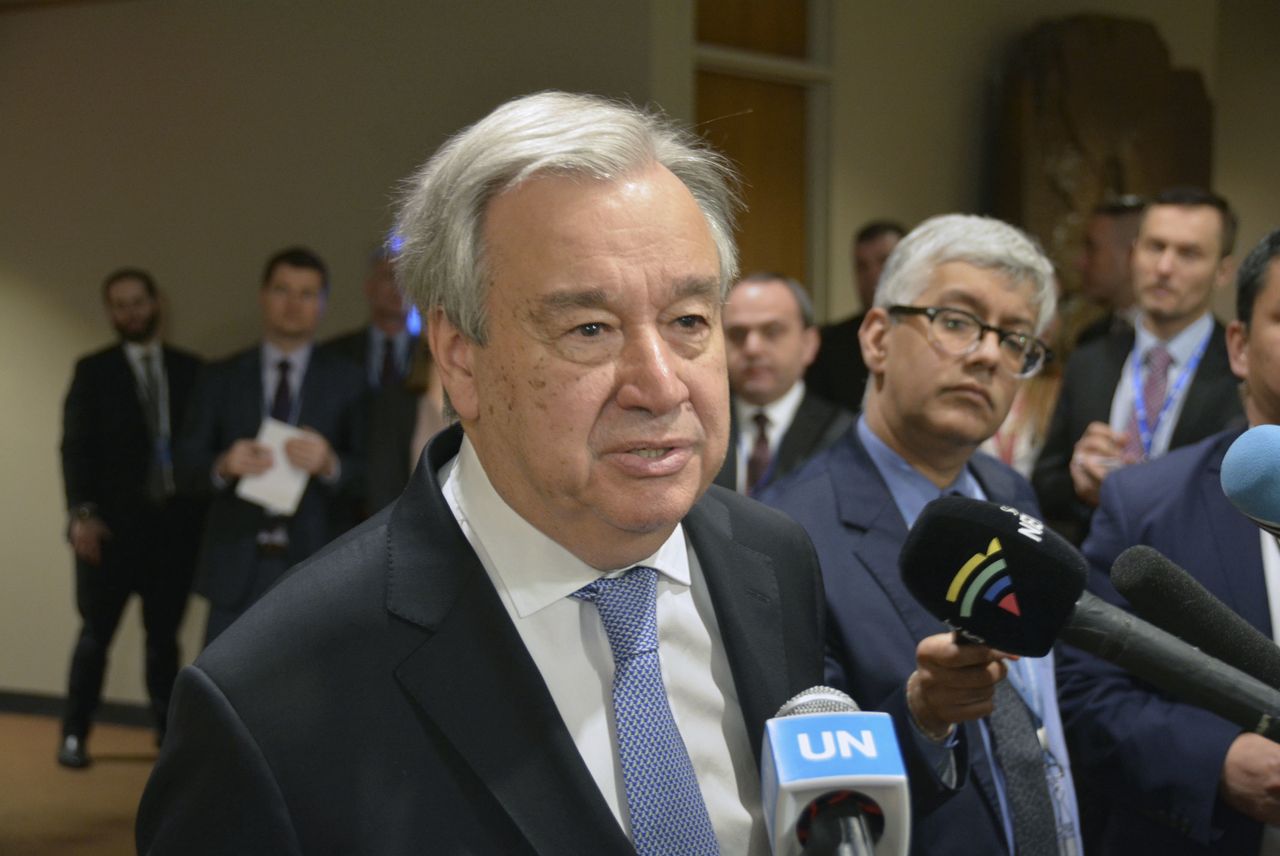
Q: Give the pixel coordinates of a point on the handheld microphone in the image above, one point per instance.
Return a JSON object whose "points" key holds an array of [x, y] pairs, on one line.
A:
{"points": [[1169, 597], [1003, 579], [1251, 476], [833, 780]]}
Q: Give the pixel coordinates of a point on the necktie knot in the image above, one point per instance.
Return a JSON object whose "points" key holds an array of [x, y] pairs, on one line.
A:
{"points": [[628, 610], [1159, 359]]}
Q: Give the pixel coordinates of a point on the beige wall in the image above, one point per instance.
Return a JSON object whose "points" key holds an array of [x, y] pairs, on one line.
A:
{"points": [[195, 138]]}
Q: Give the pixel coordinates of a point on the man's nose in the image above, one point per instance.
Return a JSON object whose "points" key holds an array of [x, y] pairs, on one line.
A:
{"points": [[649, 375]]}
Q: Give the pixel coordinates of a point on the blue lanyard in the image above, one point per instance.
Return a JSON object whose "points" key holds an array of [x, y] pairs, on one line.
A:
{"points": [[1147, 432]]}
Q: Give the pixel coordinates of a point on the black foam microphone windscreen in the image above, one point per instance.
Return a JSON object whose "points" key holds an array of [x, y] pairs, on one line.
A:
{"points": [[1169, 597], [992, 572]]}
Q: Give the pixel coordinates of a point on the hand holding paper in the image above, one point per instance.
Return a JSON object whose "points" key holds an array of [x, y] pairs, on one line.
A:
{"points": [[279, 487]]}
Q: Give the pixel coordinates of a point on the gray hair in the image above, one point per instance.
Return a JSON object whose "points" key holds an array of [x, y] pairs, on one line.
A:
{"points": [[983, 242], [441, 259], [803, 301]]}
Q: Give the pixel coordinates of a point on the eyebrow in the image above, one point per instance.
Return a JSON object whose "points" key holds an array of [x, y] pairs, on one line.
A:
{"points": [[969, 302], [596, 298]]}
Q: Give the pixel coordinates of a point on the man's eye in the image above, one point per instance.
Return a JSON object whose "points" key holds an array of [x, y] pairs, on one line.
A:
{"points": [[691, 322], [590, 330]]}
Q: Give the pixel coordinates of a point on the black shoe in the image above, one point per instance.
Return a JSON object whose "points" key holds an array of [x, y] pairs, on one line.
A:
{"points": [[72, 753]]}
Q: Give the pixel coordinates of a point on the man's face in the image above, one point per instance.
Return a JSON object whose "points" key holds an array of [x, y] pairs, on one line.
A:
{"points": [[134, 313], [293, 301], [386, 301], [1104, 260], [1255, 352], [931, 399], [868, 261], [599, 405], [1177, 262], [769, 346]]}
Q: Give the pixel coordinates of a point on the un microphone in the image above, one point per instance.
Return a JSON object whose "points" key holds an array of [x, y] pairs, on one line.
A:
{"points": [[1251, 476], [832, 779], [1003, 579], [1169, 597]]}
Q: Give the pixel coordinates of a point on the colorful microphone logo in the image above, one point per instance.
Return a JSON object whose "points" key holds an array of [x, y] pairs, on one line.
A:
{"points": [[985, 576]]}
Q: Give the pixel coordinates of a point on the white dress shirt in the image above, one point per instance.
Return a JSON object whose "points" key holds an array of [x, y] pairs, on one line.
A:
{"points": [[780, 414], [535, 576]]}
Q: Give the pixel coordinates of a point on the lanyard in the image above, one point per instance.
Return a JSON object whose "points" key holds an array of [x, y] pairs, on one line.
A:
{"points": [[1147, 432]]}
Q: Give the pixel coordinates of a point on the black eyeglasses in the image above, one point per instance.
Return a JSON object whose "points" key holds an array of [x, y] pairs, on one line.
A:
{"points": [[958, 332]]}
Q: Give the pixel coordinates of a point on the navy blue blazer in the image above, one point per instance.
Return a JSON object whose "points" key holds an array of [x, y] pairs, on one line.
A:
{"points": [[379, 700], [226, 406], [1156, 761], [874, 623]]}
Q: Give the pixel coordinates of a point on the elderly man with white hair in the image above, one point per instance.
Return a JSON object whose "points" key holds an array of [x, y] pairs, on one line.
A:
{"points": [[952, 333]]}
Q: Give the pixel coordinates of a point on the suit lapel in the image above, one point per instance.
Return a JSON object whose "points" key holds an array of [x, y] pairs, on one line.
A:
{"points": [[1101, 388], [1235, 540], [727, 477], [475, 681], [802, 435], [1196, 421], [123, 379], [745, 596]]}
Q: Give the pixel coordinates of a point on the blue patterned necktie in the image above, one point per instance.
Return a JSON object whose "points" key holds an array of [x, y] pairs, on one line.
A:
{"points": [[668, 815]]}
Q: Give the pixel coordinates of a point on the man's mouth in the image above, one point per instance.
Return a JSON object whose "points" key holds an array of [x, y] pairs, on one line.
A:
{"points": [[650, 452]]}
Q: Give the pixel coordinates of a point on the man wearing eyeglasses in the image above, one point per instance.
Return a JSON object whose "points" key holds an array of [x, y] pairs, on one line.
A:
{"points": [[951, 335]]}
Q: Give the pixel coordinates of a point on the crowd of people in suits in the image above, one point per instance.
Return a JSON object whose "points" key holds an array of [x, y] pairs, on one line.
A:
{"points": [[593, 478]]}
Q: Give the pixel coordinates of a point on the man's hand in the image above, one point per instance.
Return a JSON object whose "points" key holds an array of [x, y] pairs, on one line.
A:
{"points": [[86, 535], [1250, 779], [311, 452], [244, 458], [1099, 451], [952, 683]]}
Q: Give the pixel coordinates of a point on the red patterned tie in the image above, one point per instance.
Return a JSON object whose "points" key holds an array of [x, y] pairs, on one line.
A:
{"points": [[1155, 386]]}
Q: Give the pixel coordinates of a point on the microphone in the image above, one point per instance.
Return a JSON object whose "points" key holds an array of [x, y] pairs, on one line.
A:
{"points": [[833, 780], [1003, 579], [1169, 597], [1251, 476]]}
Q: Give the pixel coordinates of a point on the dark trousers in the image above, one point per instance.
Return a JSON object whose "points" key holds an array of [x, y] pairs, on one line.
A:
{"points": [[267, 572], [140, 558]]}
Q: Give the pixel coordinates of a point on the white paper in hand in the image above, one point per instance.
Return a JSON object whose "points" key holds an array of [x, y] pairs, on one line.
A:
{"points": [[279, 489]]}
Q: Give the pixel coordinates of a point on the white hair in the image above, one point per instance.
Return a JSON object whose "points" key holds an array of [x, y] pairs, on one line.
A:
{"points": [[983, 242], [440, 262]]}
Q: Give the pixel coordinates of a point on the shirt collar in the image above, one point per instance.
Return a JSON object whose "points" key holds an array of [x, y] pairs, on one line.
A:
{"points": [[1182, 346], [298, 359], [910, 489], [535, 570], [780, 412], [135, 351]]}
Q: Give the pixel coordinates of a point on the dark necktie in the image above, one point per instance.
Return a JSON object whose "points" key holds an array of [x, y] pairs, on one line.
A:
{"points": [[282, 404], [1021, 758], [160, 468], [758, 462], [390, 375], [668, 814]]}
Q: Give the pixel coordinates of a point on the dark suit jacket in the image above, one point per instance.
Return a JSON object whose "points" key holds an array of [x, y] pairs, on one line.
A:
{"points": [[817, 424], [391, 414], [106, 447], [838, 373], [1089, 384], [874, 623], [227, 406], [379, 700], [1155, 761]]}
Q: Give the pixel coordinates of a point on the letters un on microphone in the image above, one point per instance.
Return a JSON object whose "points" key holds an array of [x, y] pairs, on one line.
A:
{"points": [[814, 747]]}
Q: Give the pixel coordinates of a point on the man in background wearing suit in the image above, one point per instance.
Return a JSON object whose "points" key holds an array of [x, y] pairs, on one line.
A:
{"points": [[384, 349], [777, 424], [1132, 396], [1106, 275], [838, 373], [1173, 778], [246, 549], [951, 334], [443, 678], [129, 530]]}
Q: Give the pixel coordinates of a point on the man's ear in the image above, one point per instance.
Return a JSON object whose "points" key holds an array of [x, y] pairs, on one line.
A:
{"points": [[1226, 272], [1238, 349], [453, 354], [811, 340], [873, 337]]}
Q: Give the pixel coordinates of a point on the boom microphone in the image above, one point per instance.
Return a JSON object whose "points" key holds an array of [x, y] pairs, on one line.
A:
{"points": [[1169, 597], [1251, 476], [1004, 580], [832, 779]]}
